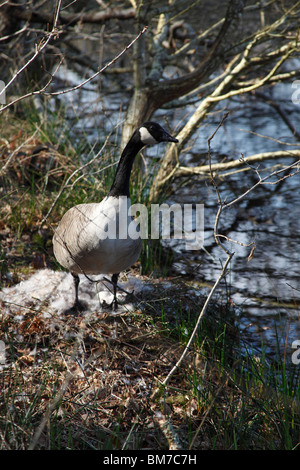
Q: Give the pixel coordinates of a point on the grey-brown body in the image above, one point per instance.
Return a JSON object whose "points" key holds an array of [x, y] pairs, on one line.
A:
{"points": [[87, 240]]}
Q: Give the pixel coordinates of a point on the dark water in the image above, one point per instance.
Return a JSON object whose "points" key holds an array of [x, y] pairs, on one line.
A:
{"points": [[266, 288]]}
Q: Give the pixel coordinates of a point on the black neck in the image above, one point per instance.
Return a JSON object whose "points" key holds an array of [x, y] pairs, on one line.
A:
{"points": [[120, 186]]}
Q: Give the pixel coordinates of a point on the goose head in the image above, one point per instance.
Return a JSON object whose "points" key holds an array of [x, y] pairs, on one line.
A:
{"points": [[151, 133]]}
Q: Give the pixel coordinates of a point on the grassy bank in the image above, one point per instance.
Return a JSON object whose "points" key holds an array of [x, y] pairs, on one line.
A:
{"points": [[87, 382]]}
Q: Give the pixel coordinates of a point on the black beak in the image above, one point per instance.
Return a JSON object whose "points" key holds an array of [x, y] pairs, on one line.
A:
{"points": [[166, 137]]}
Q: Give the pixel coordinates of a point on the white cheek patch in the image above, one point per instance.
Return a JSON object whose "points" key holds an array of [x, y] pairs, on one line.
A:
{"points": [[146, 137]]}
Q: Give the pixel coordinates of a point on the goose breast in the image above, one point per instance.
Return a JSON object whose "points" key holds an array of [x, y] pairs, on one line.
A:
{"points": [[93, 238]]}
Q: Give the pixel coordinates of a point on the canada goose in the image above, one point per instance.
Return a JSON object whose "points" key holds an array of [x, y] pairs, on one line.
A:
{"points": [[81, 242]]}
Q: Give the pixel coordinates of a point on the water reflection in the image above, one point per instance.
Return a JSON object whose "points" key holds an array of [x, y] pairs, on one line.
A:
{"points": [[267, 288]]}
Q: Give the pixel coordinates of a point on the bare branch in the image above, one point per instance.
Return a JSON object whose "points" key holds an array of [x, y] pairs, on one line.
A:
{"points": [[38, 49], [258, 157], [80, 85], [295, 165], [71, 19]]}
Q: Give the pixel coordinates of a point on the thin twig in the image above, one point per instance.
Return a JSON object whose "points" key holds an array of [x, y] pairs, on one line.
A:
{"points": [[264, 181], [68, 90], [66, 185], [38, 49], [5, 167], [220, 277], [192, 337]]}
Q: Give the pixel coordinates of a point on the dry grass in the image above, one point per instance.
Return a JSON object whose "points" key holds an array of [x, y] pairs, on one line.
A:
{"points": [[108, 367], [86, 382]]}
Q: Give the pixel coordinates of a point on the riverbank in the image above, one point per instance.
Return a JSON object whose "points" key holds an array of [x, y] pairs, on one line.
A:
{"points": [[87, 381]]}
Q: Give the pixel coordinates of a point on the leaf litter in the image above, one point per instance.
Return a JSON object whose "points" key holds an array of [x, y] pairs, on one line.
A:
{"points": [[113, 360]]}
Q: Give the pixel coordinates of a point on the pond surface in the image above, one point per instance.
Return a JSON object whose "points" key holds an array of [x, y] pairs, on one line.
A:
{"points": [[265, 289]]}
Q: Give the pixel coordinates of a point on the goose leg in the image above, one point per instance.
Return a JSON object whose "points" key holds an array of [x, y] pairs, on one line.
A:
{"points": [[76, 284], [114, 280]]}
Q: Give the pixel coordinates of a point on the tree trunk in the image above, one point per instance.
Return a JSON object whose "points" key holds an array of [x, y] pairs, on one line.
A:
{"points": [[150, 95]]}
